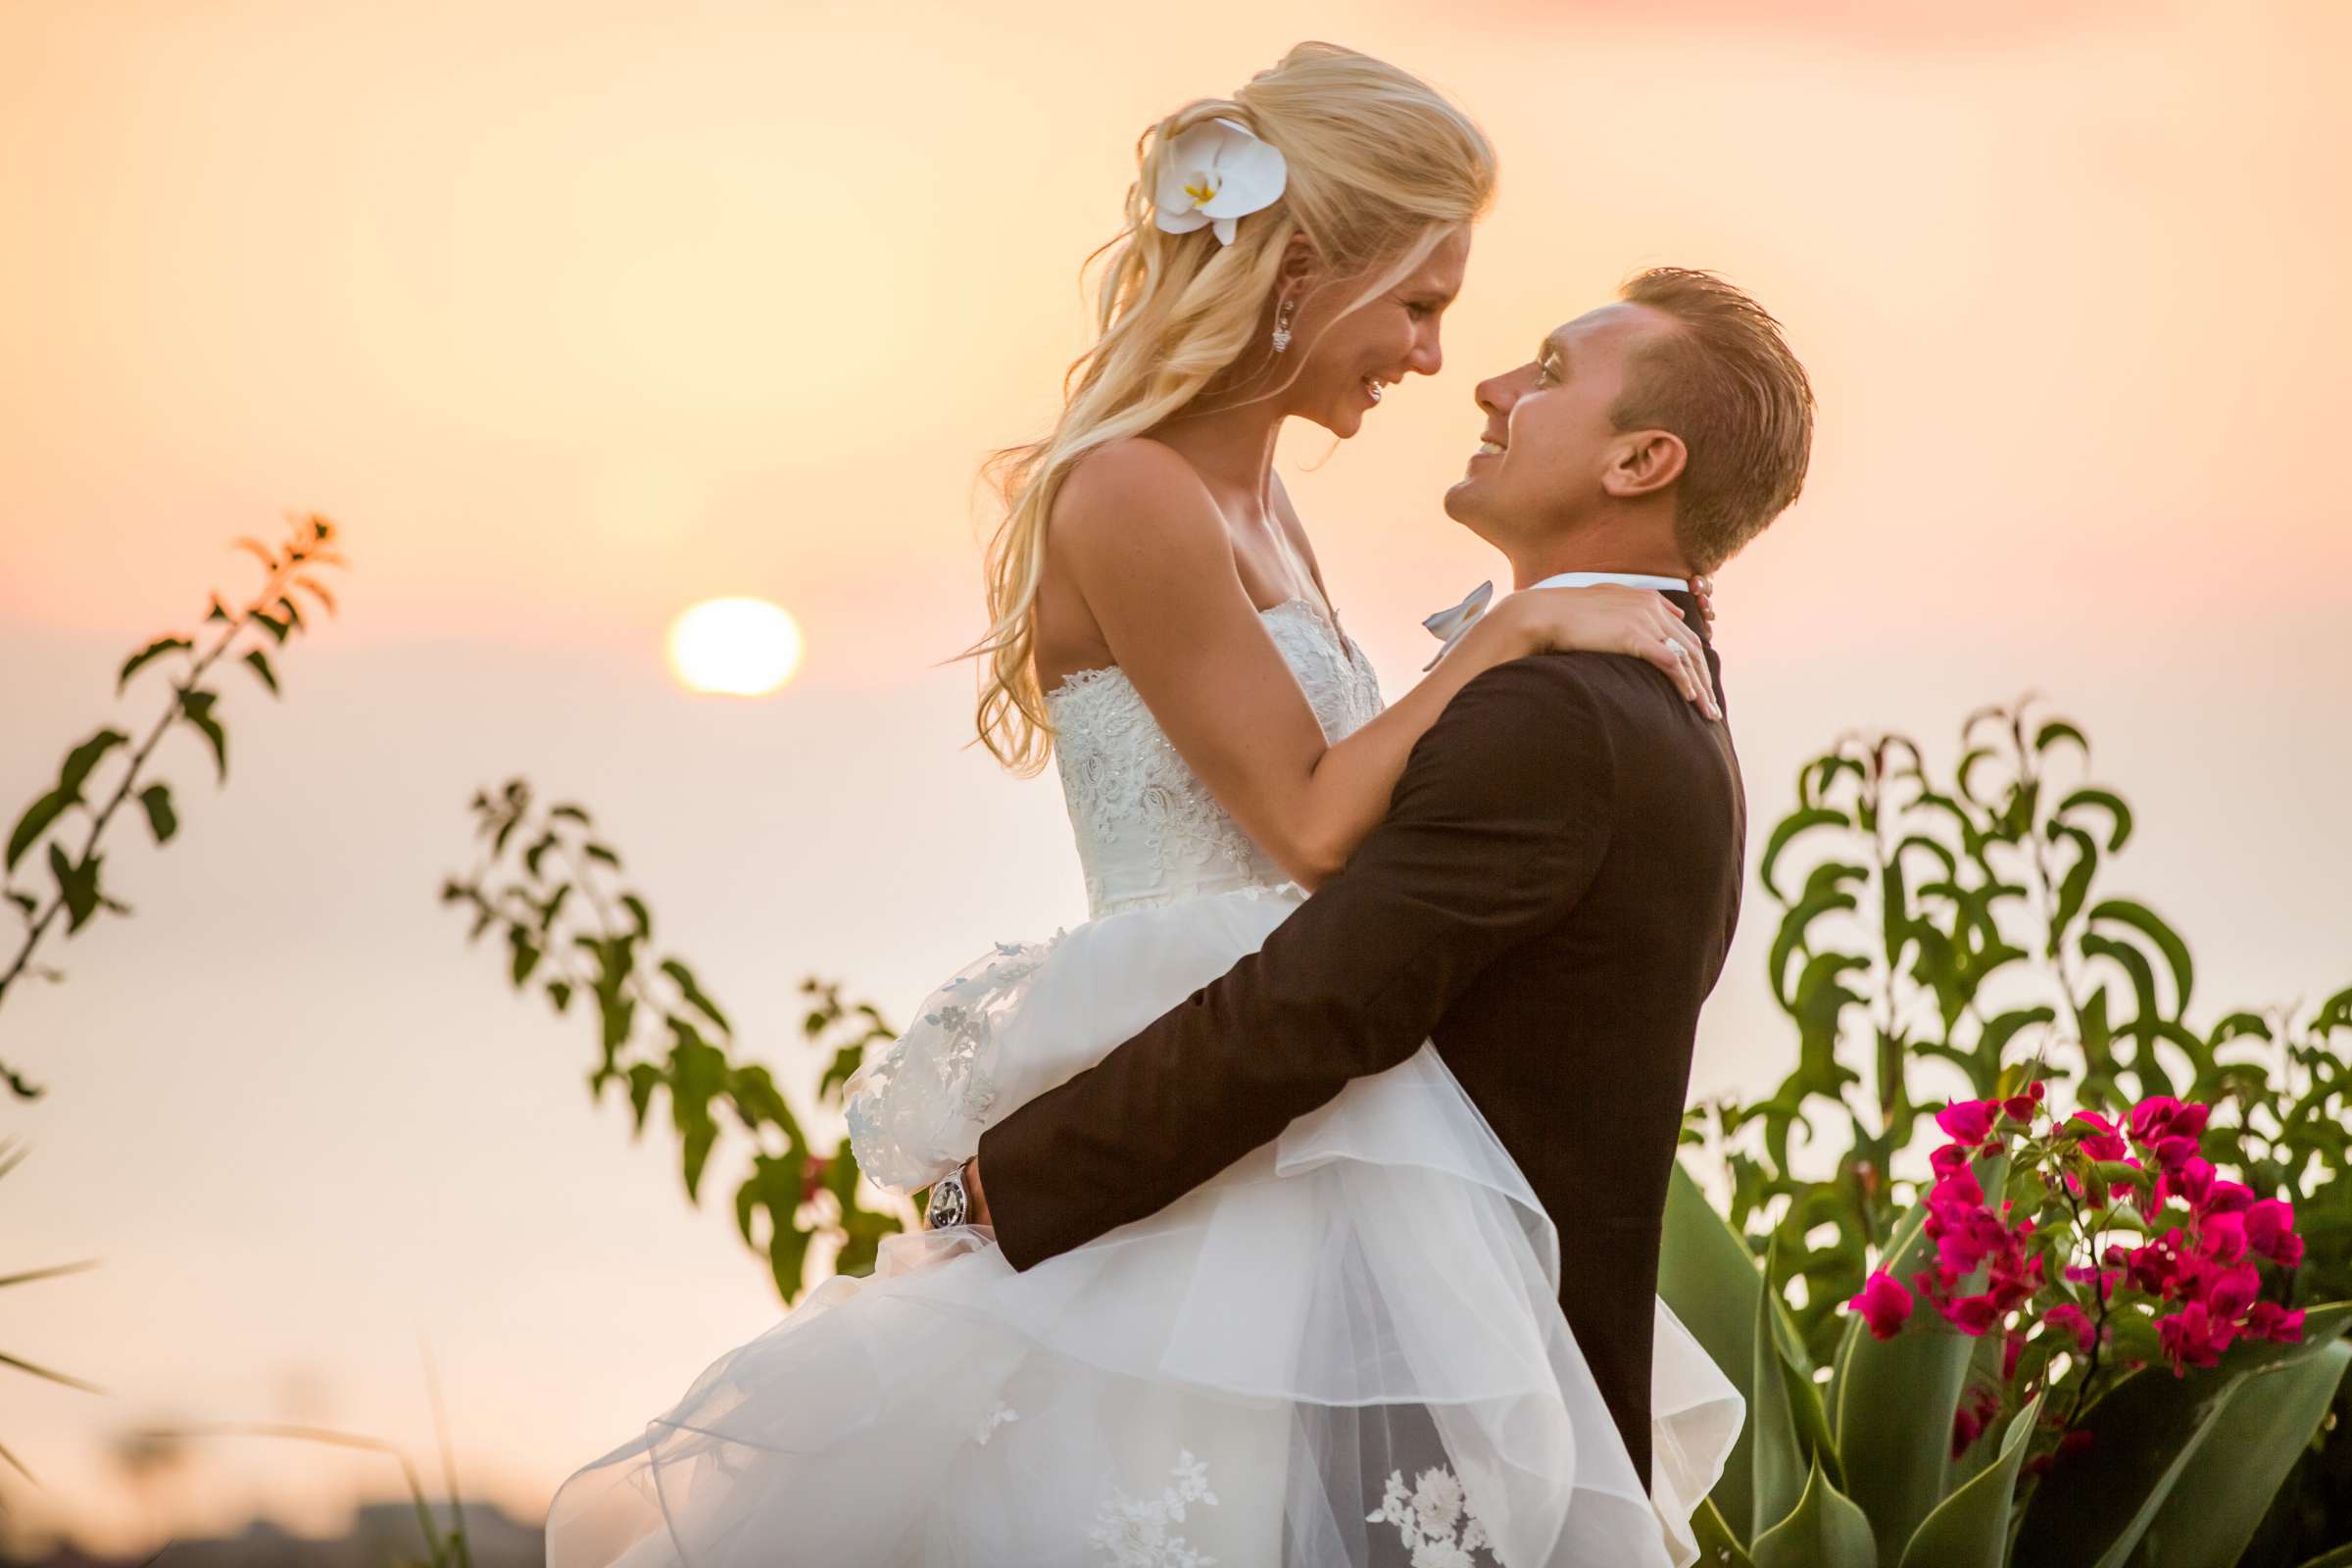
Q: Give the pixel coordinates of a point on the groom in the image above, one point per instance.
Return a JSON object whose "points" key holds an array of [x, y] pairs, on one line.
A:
{"points": [[1552, 892]]}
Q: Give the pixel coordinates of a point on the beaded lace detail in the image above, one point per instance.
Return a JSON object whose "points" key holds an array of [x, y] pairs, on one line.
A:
{"points": [[1148, 829]]}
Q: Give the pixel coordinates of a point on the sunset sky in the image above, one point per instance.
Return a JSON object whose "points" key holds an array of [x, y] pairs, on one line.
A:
{"points": [[572, 315]]}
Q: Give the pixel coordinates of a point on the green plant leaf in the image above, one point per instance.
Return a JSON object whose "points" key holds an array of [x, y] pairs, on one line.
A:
{"points": [[1710, 1281], [1970, 1529], [1891, 1402], [261, 667], [2110, 802], [1718, 1548], [152, 651], [1782, 1462], [197, 708], [1794, 823], [1825, 1531], [2139, 917], [2234, 1475], [161, 820], [35, 822], [693, 993], [78, 884], [2056, 730], [2093, 1506]]}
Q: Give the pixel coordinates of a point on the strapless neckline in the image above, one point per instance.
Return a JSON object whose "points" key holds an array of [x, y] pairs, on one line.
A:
{"points": [[1079, 678], [1148, 830]]}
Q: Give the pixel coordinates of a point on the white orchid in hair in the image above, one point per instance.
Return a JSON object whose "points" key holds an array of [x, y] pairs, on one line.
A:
{"points": [[1215, 173]]}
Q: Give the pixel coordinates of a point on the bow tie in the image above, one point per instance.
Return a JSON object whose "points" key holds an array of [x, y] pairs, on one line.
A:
{"points": [[1449, 626]]}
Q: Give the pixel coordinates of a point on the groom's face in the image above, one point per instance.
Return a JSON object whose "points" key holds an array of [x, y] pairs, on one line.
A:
{"points": [[1548, 438]]}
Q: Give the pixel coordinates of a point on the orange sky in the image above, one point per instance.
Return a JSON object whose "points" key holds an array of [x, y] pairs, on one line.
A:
{"points": [[575, 314]]}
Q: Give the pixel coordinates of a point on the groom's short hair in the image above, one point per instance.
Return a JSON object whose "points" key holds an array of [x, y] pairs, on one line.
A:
{"points": [[1727, 383]]}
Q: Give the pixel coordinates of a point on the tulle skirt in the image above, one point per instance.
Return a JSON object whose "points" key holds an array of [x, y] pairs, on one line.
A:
{"points": [[1346, 1348]]}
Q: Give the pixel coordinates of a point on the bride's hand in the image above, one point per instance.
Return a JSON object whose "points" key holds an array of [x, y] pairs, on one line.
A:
{"points": [[1703, 589], [1611, 618]]}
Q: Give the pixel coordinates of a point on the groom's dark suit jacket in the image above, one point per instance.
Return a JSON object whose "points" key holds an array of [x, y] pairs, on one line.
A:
{"points": [[1550, 899]]}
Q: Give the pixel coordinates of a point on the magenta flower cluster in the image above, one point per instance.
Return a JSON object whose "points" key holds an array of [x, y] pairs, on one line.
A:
{"points": [[2199, 1279]]}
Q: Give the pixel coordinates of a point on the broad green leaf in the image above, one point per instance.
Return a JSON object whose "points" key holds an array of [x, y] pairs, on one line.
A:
{"points": [[2108, 802], [1781, 1460], [161, 820], [2058, 729], [1794, 823], [1709, 1280], [154, 650], [523, 952], [83, 759], [261, 667], [1825, 1531], [78, 884], [2141, 919], [197, 708], [693, 993], [2093, 1506], [1970, 1529], [1718, 1548], [1891, 1402], [35, 822], [2237, 1471]]}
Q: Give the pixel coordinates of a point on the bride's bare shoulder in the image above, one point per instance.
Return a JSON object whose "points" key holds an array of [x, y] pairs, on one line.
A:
{"points": [[1136, 503]]}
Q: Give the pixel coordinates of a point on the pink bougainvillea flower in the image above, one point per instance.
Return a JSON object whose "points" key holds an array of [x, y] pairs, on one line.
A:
{"points": [[1883, 1303], [2229, 1291], [2173, 1150], [2020, 1107], [2269, 1223], [2268, 1320], [1967, 1121], [1956, 1190], [2067, 1317], [2223, 1198], [1976, 1409], [2161, 1116], [2222, 1237], [1970, 1314], [2155, 1267], [1947, 1158], [2101, 1139], [2194, 1337]]}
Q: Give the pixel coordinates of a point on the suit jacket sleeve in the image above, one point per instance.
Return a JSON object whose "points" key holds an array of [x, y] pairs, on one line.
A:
{"points": [[1496, 829]]}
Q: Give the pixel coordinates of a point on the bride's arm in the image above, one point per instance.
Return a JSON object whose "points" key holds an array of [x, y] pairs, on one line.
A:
{"points": [[1146, 546]]}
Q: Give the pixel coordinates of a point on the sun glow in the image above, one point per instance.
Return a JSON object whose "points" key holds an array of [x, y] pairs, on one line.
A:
{"points": [[734, 647]]}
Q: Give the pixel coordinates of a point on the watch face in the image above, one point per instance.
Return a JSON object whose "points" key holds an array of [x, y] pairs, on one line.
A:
{"points": [[946, 1204]]}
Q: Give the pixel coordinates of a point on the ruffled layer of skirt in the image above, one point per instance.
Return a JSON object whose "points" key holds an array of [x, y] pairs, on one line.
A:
{"points": [[1344, 1349]]}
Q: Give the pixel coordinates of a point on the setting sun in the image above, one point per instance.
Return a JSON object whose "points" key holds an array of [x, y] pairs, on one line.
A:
{"points": [[735, 647]]}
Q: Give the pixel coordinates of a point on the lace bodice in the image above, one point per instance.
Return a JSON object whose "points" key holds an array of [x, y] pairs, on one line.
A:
{"points": [[1148, 829]]}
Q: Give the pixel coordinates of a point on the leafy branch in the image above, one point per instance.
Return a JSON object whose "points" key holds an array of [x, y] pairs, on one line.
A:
{"points": [[660, 1033], [76, 892]]}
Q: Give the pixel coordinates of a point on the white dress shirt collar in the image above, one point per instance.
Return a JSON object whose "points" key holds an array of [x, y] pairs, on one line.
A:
{"points": [[1632, 580]]}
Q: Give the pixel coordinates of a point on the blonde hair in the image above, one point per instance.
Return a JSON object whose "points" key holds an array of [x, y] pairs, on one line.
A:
{"points": [[1380, 170]]}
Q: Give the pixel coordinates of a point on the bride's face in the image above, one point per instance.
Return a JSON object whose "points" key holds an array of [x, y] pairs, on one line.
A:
{"points": [[1351, 361]]}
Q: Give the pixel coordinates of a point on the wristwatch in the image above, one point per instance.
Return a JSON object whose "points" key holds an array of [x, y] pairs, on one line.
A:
{"points": [[949, 1203]]}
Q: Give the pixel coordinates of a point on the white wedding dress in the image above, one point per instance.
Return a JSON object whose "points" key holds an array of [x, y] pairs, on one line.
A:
{"points": [[1260, 1375]]}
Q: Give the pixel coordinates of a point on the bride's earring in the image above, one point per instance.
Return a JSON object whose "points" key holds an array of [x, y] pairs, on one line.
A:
{"points": [[1281, 327]]}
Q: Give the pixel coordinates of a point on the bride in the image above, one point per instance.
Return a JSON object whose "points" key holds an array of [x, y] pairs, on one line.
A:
{"points": [[1261, 1373]]}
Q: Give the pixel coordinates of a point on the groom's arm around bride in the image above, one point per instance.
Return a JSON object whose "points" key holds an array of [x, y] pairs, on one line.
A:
{"points": [[1550, 899]]}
